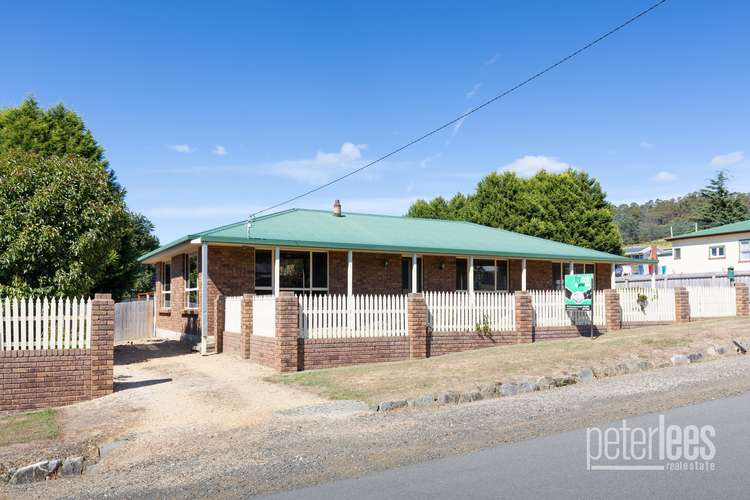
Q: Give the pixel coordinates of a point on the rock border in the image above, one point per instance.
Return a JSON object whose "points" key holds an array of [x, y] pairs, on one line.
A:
{"points": [[494, 390]]}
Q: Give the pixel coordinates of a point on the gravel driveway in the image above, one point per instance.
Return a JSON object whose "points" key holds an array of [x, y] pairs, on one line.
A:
{"points": [[284, 446]]}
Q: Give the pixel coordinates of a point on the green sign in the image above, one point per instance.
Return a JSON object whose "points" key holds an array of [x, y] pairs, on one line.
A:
{"points": [[579, 292]]}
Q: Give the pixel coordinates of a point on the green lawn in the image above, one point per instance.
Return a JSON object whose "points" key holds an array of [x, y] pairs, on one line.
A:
{"points": [[27, 427], [461, 371]]}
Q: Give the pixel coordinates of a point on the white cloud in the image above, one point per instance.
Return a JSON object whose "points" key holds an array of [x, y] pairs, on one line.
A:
{"points": [[663, 176], [219, 151], [492, 60], [474, 90], [529, 165], [323, 167], [728, 159], [181, 148], [646, 145]]}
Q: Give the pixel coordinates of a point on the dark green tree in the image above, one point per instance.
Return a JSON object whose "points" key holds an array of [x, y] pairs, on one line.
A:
{"points": [[569, 207], [720, 205], [60, 133]]}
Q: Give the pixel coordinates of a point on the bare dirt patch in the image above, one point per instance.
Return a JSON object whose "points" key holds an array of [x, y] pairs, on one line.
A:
{"points": [[408, 379]]}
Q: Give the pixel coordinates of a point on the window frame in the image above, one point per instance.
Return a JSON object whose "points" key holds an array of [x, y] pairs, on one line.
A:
{"points": [[188, 289], [717, 247], [495, 266], [677, 253], [166, 285], [308, 289], [420, 274], [747, 242], [565, 270], [464, 262], [264, 289]]}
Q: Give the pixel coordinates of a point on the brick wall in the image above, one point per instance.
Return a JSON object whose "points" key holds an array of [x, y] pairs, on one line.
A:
{"points": [[56, 377], [337, 262], [372, 276], [565, 332], [39, 379], [175, 319], [231, 343], [440, 343], [330, 353], [263, 351], [436, 279]]}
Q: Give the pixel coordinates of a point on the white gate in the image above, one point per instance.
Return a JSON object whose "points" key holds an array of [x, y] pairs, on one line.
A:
{"points": [[712, 301], [647, 304], [134, 320]]}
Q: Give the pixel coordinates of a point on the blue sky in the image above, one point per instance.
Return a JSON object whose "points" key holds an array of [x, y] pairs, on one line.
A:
{"points": [[209, 111]]}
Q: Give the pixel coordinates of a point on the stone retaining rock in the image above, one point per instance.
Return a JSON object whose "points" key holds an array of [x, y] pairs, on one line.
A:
{"points": [[392, 405], [680, 359], [450, 397], [584, 375], [508, 389]]}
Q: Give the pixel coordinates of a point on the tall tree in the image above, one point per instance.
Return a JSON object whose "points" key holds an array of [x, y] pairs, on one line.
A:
{"points": [[60, 133], [720, 205], [569, 207]]}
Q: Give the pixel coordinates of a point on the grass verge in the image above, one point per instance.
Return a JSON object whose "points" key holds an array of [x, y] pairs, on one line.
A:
{"points": [[28, 427], [406, 379]]}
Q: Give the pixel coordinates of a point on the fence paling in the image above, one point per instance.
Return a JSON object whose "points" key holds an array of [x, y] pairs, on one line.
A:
{"points": [[341, 316], [549, 310], [659, 304], [712, 301], [462, 311], [41, 323]]}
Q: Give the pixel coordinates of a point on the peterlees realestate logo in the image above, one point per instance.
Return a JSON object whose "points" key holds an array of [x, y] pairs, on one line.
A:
{"points": [[659, 448]]}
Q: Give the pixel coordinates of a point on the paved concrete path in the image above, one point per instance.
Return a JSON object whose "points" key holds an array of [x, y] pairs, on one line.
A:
{"points": [[555, 467]]}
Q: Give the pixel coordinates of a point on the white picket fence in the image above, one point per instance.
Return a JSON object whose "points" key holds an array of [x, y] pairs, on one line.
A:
{"points": [[712, 301], [549, 310], [462, 311], [264, 316], [45, 323], [658, 306], [339, 316], [233, 314]]}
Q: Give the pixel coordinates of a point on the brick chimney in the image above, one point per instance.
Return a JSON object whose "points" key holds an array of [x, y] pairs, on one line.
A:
{"points": [[337, 208]]}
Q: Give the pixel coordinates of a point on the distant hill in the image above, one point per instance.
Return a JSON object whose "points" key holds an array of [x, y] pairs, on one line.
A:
{"points": [[651, 220]]}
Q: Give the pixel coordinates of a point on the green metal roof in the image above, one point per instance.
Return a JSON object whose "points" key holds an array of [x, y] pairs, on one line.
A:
{"points": [[321, 229], [735, 227]]}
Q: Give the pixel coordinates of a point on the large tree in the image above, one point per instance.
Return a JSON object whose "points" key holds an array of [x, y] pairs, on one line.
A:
{"points": [[569, 207], [57, 139], [720, 206]]}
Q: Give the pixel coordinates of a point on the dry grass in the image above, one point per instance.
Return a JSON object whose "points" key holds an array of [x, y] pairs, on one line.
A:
{"points": [[28, 427], [407, 379]]}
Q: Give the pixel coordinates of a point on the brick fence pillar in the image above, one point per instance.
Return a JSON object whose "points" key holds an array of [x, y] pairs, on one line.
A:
{"points": [[246, 324], [287, 331], [524, 318], [416, 310], [612, 311], [218, 314], [102, 344], [681, 305], [743, 298]]}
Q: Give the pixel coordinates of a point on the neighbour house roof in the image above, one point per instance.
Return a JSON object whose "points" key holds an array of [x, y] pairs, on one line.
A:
{"points": [[735, 227], [367, 232]]}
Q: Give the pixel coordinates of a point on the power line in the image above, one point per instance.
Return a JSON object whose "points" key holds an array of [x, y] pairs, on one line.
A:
{"points": [[470, 112]]}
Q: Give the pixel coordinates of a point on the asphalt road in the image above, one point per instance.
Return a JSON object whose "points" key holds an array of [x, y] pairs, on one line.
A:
{"points": [[555, 466]]}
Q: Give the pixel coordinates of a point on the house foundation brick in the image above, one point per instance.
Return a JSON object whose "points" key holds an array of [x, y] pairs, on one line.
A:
{"points": [[612, 311], [219, 309], [416, 311], [102, 344], [287, 332], [743, 298], [681, 305], [524, 312], [246, 325]]}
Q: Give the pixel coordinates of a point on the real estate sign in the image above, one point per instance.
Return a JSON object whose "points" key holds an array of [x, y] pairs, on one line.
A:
{"points": [[579, 291]]}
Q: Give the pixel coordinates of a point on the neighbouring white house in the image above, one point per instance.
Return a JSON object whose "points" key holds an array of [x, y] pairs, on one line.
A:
{"points": [[663, 255], [712, 250]]}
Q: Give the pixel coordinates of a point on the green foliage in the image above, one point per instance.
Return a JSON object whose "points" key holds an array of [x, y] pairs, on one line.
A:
{"points": [[58, 138], [652, 220], [569, 207], [720, 205], [61, 224]]}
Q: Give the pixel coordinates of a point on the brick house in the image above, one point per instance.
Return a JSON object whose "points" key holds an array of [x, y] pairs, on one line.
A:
{"points": [[320, 252]]}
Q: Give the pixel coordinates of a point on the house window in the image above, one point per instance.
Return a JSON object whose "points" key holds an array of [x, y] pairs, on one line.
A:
{"points": [[560, 269], [557, 275], [462, 274], [744, 250], [406, 274], [191, 281], [303, 271], [677, 253], [716, 252], [263, 272], [166, 285], [490, 275]]}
